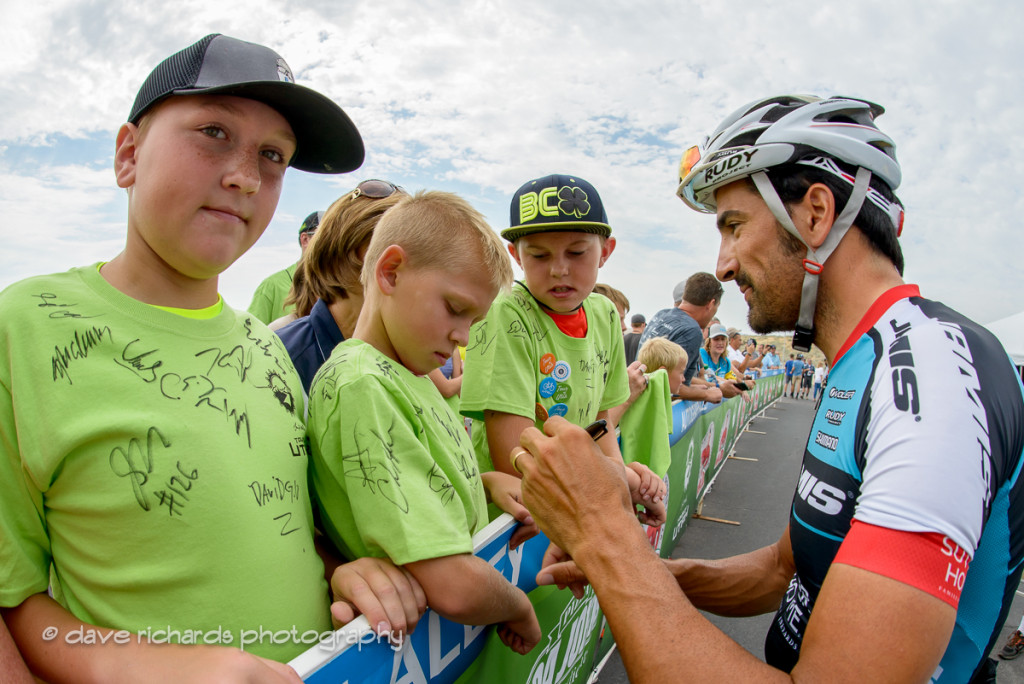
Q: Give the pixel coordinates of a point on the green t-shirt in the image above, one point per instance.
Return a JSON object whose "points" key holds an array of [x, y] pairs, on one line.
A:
{"points": [[519, 362], [268, 299], [158, 462], [392, 466]]}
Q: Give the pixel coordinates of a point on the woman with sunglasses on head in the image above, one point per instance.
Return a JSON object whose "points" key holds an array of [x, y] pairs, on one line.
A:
{"points": [[326, 291]]}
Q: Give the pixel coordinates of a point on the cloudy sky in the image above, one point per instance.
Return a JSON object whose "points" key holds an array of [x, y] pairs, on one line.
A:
{"points": [[478, 97]]}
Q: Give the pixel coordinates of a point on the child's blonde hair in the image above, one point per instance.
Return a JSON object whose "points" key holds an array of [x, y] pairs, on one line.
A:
{"points": [[439, 230], [661, 352]]}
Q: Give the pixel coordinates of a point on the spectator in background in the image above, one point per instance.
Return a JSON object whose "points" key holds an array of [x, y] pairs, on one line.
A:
{"points": [[771, 359], [788, 384], [696, 302], [268, 302], [819, 378], [798, 374], [631, 340], [618, 299], [742, 361], [328, 295]]}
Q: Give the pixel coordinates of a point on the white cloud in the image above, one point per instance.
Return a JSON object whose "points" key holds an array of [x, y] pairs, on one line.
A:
{"points": [[478, 97]]}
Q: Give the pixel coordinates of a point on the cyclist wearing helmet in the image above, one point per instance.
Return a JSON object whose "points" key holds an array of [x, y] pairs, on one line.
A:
{"points": [[906, 533]]}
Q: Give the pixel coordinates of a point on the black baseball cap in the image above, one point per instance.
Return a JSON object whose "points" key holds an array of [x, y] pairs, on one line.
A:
{"points": [[328, 141], [558, 202], [311, 222]]}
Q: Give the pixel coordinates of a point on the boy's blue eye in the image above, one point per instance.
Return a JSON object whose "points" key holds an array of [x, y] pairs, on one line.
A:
{"points": [[274, 156]]}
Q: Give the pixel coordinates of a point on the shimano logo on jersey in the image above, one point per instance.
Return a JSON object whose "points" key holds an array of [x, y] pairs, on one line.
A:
{"points": [[820, 495], [830, 442], [835, 417], [729, 165], [901, 360], [834, 393]]}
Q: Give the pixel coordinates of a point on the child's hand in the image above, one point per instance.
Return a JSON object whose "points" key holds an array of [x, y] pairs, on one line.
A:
{"points": [[388, 595], [637, 380], [649, 493], [506, 492], [522, 634]]}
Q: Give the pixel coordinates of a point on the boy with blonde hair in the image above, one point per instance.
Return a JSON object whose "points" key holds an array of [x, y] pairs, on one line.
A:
{"points": [[153, 476], [662, 353], [393, 467], [551, 346]]}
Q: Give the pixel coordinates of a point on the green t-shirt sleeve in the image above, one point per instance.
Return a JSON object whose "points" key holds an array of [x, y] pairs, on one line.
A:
{"points": [[499, 373], [24, 545], [616, 390], [380, 491]]}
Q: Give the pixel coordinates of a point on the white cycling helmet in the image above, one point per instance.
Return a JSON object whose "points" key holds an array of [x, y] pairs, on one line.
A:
{"points": [[801, 129]]}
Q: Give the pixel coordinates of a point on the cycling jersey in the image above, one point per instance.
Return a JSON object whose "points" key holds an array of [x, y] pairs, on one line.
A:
{"points": [[919, 429]]}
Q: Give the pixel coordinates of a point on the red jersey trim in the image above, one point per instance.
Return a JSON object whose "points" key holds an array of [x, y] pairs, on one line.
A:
{"points": [[572, 324], [929, 561], [881, 305]]}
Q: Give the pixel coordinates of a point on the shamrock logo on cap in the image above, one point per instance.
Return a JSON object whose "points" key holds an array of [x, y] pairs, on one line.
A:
{"points": [[573, 201]]}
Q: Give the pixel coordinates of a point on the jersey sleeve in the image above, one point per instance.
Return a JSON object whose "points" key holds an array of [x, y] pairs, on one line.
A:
{"points": [[927, 464], [498, 374], [377, 485], [928, 561]]}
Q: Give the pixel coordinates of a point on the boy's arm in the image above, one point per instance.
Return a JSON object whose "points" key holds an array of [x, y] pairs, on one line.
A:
{"points": [[503, 430], [11, 664], [467, 590], [40, 627]]}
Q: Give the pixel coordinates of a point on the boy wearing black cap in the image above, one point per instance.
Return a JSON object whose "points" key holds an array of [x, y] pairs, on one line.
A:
{"points": [[152, 446], [550, 347]]}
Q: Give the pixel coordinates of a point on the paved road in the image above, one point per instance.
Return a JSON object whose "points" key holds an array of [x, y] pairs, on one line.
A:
{"points": [[757, 494]]}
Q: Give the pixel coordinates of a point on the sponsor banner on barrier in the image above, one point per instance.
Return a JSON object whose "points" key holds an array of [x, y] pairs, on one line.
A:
{"points": [[576, 637]]}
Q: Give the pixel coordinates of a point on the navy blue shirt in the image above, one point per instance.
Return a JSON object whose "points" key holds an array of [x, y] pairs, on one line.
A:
{"points": [[310, 341]]}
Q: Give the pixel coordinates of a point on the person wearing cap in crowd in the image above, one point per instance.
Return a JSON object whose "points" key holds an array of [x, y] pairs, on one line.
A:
{"points": [[327, 295], [696, 302], [631, 339], [551, 346], [139, 477], [713, 355], [742, 361], [268, 301], [771, 359], [905, 539]]}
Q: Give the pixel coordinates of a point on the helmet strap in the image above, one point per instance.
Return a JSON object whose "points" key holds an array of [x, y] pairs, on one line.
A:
{"points": [[814, 262]]}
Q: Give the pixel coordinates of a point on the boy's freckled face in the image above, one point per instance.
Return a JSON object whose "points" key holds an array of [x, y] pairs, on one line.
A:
{"points": [[560, 267], [431, 310], [205, 176]]}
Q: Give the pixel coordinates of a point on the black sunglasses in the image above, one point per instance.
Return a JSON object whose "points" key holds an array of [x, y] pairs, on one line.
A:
{"points": [[376, 189]]}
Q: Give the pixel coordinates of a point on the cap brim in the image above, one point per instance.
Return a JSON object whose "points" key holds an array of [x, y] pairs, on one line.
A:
{"points": [[327, 140], [515, 232]]}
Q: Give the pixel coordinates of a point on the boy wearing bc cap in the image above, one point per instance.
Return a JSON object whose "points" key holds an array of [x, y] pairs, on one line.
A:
{"points": [[550, 347], [152, 447]]}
